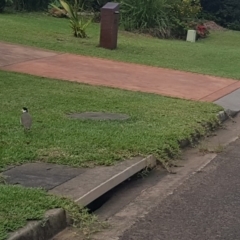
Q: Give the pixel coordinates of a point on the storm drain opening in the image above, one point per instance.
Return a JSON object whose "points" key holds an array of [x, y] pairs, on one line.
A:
{"points": [[131, 187]]}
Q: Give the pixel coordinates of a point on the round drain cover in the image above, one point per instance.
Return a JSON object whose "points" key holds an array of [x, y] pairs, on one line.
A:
{"points": [[99, 116]]}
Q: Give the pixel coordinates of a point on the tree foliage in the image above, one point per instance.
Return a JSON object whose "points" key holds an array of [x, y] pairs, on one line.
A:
{"points": [[224, 12]]}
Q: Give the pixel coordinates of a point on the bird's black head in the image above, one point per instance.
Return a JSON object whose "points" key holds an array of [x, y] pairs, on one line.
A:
{"points": [[24, 109]]}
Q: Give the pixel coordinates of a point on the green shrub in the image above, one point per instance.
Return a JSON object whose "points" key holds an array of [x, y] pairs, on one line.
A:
{"points": [[201, 30], [38, 5], [160, 18], [2, 5], [184, 14], [30, 5], [95, 5], [143, 15], [78, 23]]}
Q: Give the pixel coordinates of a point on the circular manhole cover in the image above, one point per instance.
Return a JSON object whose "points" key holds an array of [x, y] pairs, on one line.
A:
{"points": [[99, 116]]}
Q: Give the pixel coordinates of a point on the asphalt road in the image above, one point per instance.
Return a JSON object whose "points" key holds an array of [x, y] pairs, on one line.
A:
{"points": [[205, 207]]}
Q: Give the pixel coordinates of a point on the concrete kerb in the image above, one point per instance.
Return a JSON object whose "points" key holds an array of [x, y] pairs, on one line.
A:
{"points": [[56, 220], [147, 162], [222, 117]]}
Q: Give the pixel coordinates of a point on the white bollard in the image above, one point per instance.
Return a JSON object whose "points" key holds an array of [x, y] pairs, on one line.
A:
{"points": [[191, 36]]}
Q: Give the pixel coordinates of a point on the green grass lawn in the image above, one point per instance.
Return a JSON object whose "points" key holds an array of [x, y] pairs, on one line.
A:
{"points": [[217, 55], [19, 205], [156, 125]]}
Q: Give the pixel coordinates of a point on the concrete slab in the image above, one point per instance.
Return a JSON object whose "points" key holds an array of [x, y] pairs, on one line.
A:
{"points": [[12, 54], [92, 184], [230, 101], [214, 96], [115, 74], [43, 175]]}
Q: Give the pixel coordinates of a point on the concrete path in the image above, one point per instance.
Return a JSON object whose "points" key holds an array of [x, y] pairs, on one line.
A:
{"points": [[230, 101], [205, 207], [102, 72]]}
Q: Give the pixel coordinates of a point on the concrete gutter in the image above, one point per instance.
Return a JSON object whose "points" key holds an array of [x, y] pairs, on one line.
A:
{"points": [[54, 221]]}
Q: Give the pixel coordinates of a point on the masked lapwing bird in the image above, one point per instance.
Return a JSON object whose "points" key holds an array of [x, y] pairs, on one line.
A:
{"points": [[26, 119]]}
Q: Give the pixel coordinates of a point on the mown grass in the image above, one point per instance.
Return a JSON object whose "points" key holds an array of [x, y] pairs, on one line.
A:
{"points": [[19, 205], [218, 55], [155, 126]]}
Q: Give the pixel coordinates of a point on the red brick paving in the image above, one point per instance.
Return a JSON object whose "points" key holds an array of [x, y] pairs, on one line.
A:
{"points": [[102, 72]]}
